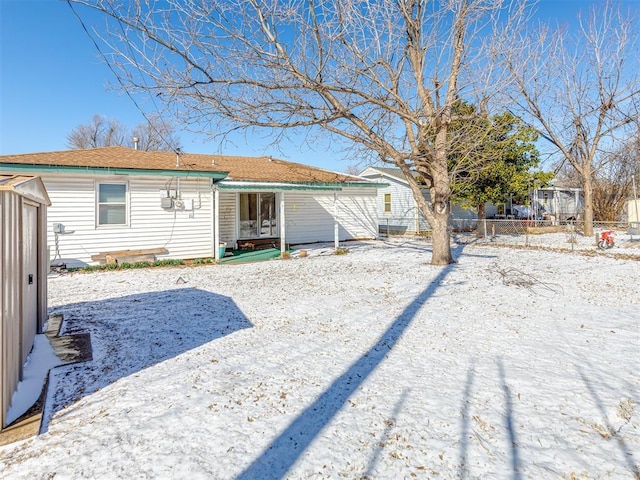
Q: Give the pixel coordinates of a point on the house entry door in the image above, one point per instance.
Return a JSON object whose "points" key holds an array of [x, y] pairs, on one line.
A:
{"points": [[258, 215]]}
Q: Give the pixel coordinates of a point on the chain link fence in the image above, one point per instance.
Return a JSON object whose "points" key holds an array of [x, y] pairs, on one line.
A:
{"points": [[525, 233], [538, 233]]}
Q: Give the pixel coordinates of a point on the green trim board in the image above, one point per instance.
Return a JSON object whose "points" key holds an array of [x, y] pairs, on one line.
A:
{"points": [[281, 186], [31, 169], [217, 177]]}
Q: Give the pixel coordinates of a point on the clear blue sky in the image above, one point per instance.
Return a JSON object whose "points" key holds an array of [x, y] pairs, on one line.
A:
{"points": [[51, 80]]}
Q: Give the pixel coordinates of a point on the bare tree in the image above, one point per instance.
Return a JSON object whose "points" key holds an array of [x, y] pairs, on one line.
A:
{"points": [[613, 184], [383, 75], [100, 132], [152, 135], [156, 135], [580, 91]]}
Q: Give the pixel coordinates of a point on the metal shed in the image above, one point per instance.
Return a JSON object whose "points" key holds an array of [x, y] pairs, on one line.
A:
{"points": [[23, 280]]}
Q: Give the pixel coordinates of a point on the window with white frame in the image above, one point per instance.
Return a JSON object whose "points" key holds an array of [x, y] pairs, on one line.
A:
{"points": [[387, 203], [111, 203]]}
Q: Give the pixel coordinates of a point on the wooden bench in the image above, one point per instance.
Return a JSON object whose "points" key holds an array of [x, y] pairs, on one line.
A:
{"points": [[258, 243], [129, 256]]}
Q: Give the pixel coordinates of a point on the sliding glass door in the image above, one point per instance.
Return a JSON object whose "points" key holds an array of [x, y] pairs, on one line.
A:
{"points": [[258, 215]]}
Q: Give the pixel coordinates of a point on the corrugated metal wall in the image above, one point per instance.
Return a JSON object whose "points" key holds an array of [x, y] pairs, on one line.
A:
{"points": [[10, 298], [23, 288]]}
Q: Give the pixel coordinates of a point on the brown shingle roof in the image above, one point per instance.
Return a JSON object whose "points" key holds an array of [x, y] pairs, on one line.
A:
{"points": [[257, 169]]}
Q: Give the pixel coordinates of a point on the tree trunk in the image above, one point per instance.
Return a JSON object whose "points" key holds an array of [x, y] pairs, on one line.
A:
{"points": [[587, 189], [438, 213], [481, 224], [441, 213], [441, 242]]}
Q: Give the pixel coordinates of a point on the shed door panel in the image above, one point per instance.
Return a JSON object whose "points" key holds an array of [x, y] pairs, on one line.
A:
{"points": [[30, 280]]}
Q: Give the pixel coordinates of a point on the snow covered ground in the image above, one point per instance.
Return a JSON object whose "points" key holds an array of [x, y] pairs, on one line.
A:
{"points": [[511, 363]]}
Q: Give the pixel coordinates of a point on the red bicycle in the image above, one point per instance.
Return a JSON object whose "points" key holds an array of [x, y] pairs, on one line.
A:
{"points": [[606, 240]]}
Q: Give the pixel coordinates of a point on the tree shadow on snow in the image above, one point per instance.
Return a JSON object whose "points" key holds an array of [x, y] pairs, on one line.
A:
{"points": [[609, 430], [282, 453], [386, 434], [465, 416], [131, 333], [509, 423]]}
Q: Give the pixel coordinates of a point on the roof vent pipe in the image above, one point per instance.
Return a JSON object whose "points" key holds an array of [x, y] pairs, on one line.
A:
{"points": [[178, 153], [135, 143]]}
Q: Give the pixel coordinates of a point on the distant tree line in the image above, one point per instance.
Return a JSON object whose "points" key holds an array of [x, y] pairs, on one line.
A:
{"points": [[153, 135]]}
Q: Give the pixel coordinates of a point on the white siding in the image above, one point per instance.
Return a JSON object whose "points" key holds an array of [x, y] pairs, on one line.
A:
{"points": [[310, 215], [357, 213], [404, 214], [189, 233], [184, 233]]}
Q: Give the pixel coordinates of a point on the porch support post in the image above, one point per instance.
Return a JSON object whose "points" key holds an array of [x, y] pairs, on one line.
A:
{"points": [[283, 244], [216, 223], [336, 226]]}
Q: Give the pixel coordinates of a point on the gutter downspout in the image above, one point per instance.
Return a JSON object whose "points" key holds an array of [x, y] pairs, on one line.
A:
{"points": [[215, 211], [283, 244], [336, 226]]}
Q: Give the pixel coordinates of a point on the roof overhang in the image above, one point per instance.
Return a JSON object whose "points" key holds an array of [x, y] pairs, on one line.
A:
{"points": [[284, 186], [58, 169], [389, 176]]}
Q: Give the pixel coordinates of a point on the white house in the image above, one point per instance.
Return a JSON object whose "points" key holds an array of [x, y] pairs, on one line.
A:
{"points": [[558, 202], [398, 211], [184, 206]]}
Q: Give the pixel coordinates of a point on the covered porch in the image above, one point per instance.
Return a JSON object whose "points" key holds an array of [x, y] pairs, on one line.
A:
{"points": [[259, 220]]}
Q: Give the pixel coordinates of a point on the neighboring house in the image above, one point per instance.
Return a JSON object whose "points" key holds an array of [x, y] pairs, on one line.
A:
{"points": [[558, 203], [398, 211], [183, 206]]}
